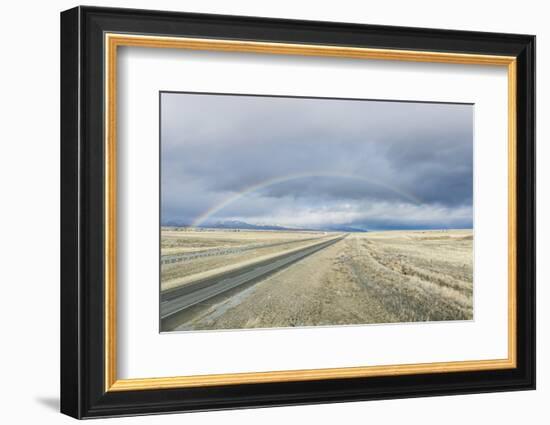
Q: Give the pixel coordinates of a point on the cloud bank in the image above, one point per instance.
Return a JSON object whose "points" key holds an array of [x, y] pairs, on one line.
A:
{"points": [[315, 162]]}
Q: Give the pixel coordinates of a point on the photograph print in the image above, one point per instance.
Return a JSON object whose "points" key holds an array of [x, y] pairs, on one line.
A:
{"points": [[280, 212]]}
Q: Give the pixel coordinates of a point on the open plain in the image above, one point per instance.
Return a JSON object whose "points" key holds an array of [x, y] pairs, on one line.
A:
{"points": [[226, 279]]}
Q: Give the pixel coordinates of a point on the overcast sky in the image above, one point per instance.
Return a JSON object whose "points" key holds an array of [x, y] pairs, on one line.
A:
{"points": [[315, 163]]}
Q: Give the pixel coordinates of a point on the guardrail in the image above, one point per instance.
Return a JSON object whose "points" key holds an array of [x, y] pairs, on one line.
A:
{"points": [[177, 258]]}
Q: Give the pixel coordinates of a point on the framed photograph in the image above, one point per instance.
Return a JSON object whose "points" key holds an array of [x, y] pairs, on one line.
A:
{"points": [[261, 212]]}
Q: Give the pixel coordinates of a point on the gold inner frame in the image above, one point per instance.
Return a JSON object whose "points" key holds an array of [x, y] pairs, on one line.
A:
{"points": [[113, 41]]}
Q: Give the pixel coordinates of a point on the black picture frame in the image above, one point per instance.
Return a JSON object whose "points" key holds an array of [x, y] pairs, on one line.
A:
{"points": [[83, 392]]}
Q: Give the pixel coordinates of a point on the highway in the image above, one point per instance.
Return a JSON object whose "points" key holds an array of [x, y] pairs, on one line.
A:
{"points": [[188, 256], [177, 304]]}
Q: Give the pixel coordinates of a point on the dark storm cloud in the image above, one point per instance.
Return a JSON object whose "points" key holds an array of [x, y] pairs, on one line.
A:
{"points": [[320, 154]]}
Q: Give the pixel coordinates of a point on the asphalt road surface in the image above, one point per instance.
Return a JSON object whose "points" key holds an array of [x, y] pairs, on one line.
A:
{"points": [[177, 304], [188, 256]]}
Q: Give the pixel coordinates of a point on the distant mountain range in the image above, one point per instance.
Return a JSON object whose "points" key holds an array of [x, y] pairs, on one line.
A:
{"points": [[343, 228], [235, 224]]}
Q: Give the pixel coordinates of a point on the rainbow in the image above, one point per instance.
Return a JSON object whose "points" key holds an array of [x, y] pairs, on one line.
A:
{"points": [[277, 180]]}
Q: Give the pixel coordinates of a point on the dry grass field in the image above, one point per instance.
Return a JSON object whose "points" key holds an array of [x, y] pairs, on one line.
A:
{"points": [[247, 246], [375, 277], [178, 240]]}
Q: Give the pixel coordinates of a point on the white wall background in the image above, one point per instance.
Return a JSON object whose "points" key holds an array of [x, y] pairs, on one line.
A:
{"points": [[29, 223]]}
